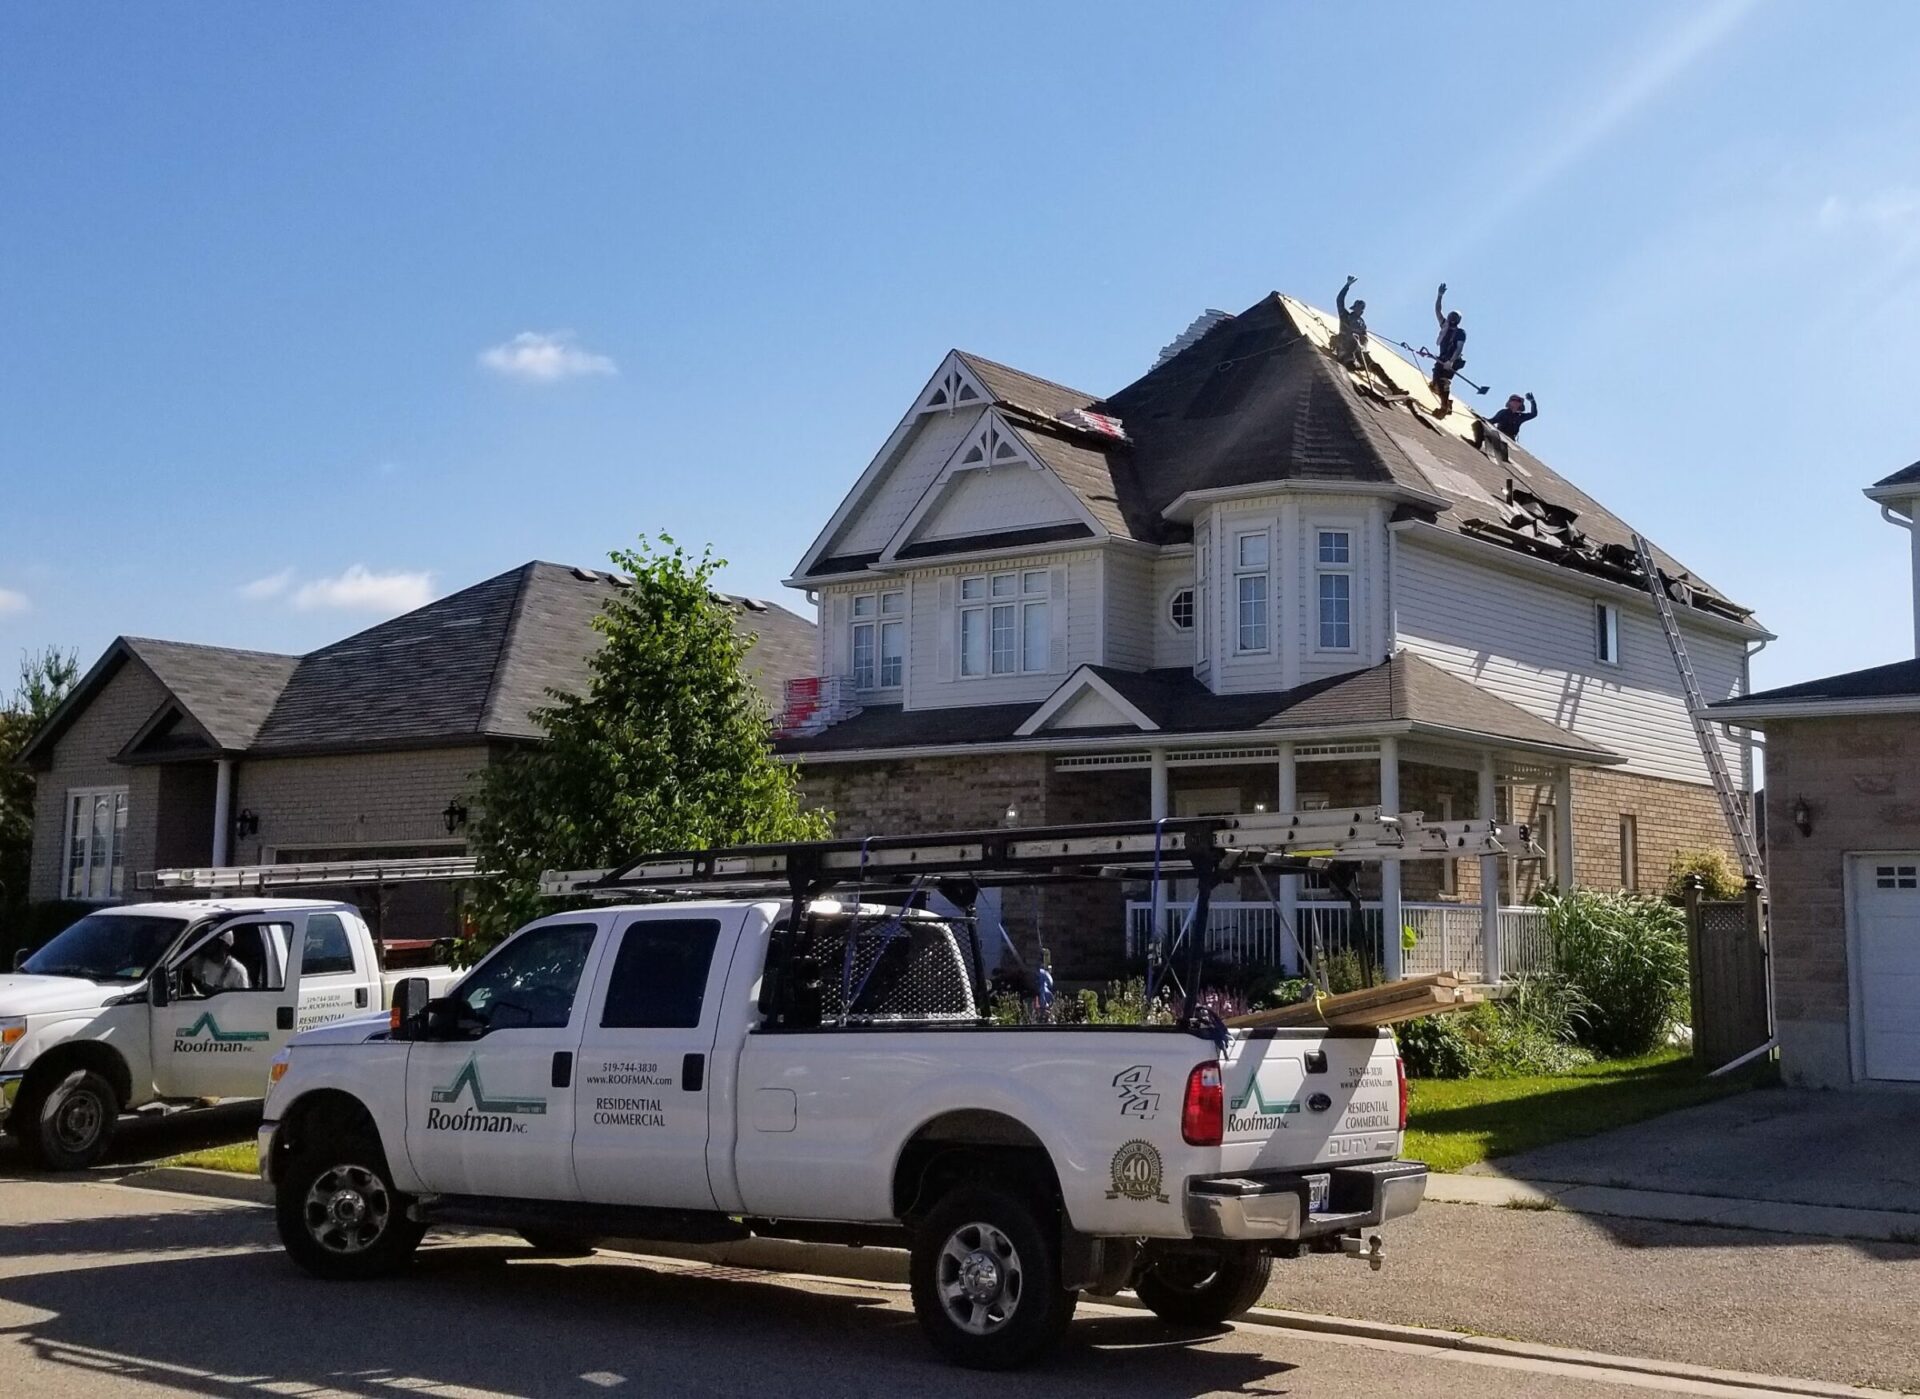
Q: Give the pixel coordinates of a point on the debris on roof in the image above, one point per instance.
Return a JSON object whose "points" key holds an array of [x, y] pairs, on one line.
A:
{"points": [[1202, 323], [1104, 424]]}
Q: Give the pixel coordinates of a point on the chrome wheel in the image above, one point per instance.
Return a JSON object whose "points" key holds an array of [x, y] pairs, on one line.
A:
{"points": [[79, 1120], [979, 1278], [347, 1209]]}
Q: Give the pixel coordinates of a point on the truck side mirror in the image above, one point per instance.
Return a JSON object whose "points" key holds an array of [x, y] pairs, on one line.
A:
{"points": [[449, 1018], [160, 989], [409, 1005]]}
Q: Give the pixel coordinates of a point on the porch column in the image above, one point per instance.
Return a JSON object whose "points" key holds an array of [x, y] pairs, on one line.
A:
{"points": [[222, 810], [1489, 875], [1563, 826], [1286, 798], [1391, 917], [1157, 807]]}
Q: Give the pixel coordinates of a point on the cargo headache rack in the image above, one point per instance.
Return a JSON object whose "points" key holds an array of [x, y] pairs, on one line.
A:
{"points": [[893, 879]]}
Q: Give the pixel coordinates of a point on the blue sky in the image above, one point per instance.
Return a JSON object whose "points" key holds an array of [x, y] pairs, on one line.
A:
{"points": [[315, 311]]}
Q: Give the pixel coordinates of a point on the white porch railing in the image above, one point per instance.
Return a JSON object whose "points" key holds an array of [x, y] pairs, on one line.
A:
{"points": [[1448, 935]]}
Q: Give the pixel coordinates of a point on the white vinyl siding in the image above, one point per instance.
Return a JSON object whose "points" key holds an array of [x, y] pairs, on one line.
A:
{"points": [[989, 500], [918, 461], [1531, 642], [1130, 604]]}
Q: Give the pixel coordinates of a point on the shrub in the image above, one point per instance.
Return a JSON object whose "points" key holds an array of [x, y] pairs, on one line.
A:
{"points": [[1719, 876], [1347, 971], [1434, 1046], [1627, 957]]}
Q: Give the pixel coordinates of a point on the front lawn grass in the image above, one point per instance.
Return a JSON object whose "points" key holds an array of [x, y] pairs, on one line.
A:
{"points": [[1452, 1123], [242, 1158]]}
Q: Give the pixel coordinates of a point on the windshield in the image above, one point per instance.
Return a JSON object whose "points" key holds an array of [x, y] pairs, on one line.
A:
{"points": [[107, 947]]}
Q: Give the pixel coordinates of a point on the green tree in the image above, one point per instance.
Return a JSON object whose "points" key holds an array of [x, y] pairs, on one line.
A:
{"points": [[46, 676], [667, 749]]}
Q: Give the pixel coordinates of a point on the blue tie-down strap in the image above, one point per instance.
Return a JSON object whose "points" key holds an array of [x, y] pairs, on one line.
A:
{"points": [[894, 927]]}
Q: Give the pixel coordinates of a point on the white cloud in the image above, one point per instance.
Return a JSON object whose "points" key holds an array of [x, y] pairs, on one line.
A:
{"points": [[544, 358], [271, 586], [1894, 210], [360, 589], [10, 601]]}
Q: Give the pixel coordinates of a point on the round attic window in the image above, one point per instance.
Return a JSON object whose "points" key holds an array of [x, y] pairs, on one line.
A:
{"points": [[1180, 610]]}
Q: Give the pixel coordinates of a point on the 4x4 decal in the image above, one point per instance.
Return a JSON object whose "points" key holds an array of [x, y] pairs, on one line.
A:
{"points": [[468, 1080], [216, 1035]]}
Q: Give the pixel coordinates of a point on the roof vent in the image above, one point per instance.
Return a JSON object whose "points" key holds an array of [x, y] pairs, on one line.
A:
{"points": [[586, 575], [753, 604], [1202, 323]]}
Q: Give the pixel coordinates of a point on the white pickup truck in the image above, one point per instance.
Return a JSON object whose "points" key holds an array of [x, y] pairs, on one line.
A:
{"points": [[171, 1003], [684, 1072]]}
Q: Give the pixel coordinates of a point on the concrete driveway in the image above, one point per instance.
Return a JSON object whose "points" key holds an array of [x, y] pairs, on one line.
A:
{"points": [[1854, 1150]]}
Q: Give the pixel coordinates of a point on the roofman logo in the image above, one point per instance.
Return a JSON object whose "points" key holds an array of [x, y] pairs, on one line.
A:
{"points": [[487, 1114], [186, 1039]]}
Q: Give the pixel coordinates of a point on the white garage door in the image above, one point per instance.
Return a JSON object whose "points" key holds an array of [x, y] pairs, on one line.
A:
{"points": [[1887, 924]]}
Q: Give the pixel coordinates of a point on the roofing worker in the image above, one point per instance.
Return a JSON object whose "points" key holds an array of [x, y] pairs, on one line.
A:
{"points": [[1449, 351], [1350, 345], [1508, 419]]}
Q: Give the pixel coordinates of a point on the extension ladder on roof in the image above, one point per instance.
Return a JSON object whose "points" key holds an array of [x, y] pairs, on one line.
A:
{"points": [[1730, 805]]}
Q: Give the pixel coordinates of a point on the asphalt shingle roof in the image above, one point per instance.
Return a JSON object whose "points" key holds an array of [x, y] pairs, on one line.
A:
{"points": [[1893, 681], [227, 692]]}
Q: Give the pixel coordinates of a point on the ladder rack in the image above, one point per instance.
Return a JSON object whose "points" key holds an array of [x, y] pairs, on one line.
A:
{"points": [[1109, 850], [1738, 823]]}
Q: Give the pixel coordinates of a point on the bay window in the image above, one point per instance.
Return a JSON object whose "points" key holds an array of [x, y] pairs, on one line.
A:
{"points": [[1250, 582], [1333, 560]]}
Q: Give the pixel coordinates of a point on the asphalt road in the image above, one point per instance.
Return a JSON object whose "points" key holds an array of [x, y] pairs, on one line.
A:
{"points": [[107, 1290]]}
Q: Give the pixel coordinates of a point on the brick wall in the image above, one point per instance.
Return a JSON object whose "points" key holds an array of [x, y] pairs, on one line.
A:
{"points": [[1860, 779], [84, 758], [340, 801]]}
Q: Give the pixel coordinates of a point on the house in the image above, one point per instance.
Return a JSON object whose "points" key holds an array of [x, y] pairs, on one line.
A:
{"points": [[1843, 854], [1256, 579], [168, 754]]}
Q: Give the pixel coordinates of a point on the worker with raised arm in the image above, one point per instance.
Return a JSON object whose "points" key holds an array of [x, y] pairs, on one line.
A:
{"points": [[1350, 345], [1449, 351], [1509, 419]]}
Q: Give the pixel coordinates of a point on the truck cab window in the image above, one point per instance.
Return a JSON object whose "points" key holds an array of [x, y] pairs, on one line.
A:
{"points": [[659, 979], [325, 950], [530, 982], [250, 957]]}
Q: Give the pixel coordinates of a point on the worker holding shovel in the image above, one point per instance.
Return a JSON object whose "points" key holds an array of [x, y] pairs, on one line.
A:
{"points": [[1449, 351]]}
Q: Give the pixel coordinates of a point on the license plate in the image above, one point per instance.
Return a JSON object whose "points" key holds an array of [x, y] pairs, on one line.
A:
{"points": [[1317, 1193]]}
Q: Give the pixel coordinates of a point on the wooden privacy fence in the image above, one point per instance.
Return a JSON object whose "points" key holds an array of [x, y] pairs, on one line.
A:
{"points": [[1727, 965]]}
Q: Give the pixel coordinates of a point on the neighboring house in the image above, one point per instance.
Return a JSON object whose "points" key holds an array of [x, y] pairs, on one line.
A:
{"points": [[1254, 579], [168, 754], [1843, 855]]}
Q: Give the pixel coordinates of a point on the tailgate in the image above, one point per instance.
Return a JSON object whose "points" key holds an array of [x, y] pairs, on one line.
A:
{"points": [[1309, 1100]]}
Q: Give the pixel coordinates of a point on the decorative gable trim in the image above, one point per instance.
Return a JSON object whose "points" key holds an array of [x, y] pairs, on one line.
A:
{"points": [[953, 387], [1083, 684], [994, 445]]}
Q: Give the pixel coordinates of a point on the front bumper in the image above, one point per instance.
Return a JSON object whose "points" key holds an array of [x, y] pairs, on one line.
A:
{"points": [[9, 1090], [263, 1143], [1274, 1205]]}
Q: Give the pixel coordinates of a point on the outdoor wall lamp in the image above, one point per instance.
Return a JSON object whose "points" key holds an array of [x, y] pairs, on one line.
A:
{"points": [[247, 823], [1802, 816], [455, 816], [1013, 814]]}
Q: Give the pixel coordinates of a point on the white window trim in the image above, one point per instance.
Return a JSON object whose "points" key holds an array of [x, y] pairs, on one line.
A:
{"points": [[1193, 608], [1449, 869], [1606, 629], [876, 621], [1020, 601], [91, 795], [1202, 592], [1351, 569], [1264, 572]]}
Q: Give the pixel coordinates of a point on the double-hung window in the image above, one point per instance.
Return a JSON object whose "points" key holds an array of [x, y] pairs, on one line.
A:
{"points": [[96, 842], [1005, 628], [879, 639], [1250, 583], [1333, 580]]}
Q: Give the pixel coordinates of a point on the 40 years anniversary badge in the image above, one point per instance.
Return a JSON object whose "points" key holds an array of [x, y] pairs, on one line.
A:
{"points": [[1136, 1173]]}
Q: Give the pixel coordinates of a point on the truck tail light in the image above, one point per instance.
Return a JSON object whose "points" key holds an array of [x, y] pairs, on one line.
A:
{"points": [[1400, 1073], [1202, 1112]]}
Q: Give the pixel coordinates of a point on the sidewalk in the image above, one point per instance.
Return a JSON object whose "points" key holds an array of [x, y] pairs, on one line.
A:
{"points": [[1669, 1207]]}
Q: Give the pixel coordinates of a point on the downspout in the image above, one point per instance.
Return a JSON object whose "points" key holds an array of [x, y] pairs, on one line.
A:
{"points": [[222, 810], [1886, 513]]}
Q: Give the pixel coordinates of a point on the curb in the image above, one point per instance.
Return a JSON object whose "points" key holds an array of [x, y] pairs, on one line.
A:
{"points": [[888, 1267]]}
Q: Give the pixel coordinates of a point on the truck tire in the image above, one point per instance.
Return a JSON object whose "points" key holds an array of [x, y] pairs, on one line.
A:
{"points": [[1204, 1289], [338, 1212], [69, 1125], [985, 1274]]}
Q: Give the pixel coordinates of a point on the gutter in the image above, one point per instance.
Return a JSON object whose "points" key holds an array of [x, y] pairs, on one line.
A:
{"points": [[1755, 713], [1191, 501]]}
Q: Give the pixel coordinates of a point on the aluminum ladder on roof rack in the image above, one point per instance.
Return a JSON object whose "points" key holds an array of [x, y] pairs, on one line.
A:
{"points": [[1730, 806], [235, 878]]}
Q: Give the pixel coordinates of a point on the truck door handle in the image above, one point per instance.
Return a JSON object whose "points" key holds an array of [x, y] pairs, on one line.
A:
{"points": [[562, 1067], [283, 1018], [360, 997], [693, 1073]]}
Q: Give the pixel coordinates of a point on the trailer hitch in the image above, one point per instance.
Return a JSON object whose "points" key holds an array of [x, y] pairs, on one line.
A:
{"points": [[1371, 1251]]}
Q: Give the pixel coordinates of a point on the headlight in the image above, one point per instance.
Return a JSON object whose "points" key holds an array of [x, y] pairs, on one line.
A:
{"points": [[13, 1029], [277, 1066]]}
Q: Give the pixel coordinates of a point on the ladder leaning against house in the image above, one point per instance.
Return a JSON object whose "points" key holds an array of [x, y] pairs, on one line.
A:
{"points": [[1739, 824]]}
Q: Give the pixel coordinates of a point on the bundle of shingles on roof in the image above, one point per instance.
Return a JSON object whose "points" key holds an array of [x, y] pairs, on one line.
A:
{"points": [[1371, 1006]]}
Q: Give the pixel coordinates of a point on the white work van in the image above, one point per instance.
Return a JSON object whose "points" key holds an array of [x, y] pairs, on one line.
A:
{"points": [[171, 1004], [713, 1069]]}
